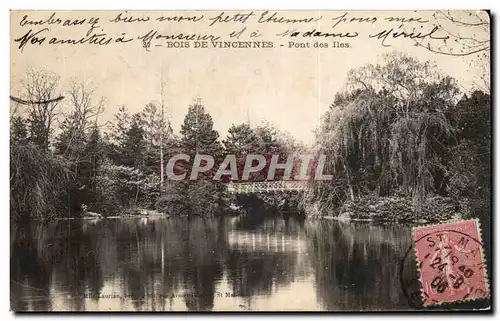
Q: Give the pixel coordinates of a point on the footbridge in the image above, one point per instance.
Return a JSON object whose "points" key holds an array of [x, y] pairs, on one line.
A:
{"points": [[265, 187]]}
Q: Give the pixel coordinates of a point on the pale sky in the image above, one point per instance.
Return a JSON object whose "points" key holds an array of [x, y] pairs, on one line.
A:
{"points": [[288, 87]]}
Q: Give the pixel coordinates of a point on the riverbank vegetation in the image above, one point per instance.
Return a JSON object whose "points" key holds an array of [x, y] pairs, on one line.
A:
{"points": [[403, 142], [401, 130], [76, 165]]}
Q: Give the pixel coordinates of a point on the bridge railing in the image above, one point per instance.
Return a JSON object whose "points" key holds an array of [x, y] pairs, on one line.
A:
{"points": [[259, 187]]}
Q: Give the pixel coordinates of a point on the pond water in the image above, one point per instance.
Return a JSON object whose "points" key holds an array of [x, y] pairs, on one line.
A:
{"points": [[176, 264]]}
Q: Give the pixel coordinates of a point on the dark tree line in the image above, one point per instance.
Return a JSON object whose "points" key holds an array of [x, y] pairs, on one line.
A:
{"points": [[400, 129], [74, 163]]}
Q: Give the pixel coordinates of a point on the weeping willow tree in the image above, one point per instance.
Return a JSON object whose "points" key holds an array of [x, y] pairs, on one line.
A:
{"points": [[417, 159], [36, 179], [354, 135], [387, 131]]}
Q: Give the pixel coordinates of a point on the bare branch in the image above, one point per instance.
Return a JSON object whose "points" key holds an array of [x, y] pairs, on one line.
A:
{"points": [[464, 23], [40, 97], [459, 54]]}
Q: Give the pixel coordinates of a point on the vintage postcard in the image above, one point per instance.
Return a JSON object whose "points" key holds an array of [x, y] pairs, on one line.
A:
{"points": [[254, 160]]}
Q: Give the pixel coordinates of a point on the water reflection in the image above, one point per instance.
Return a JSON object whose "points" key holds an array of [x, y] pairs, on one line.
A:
{"points": [[205, 264]]}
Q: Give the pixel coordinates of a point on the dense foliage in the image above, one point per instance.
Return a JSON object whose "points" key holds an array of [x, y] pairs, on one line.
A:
{"points": [[115, 170], [401, 129], [401, 134]]}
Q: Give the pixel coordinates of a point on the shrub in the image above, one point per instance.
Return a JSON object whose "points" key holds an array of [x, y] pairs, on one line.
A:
{"points": [[37, 178], [401, 209]]}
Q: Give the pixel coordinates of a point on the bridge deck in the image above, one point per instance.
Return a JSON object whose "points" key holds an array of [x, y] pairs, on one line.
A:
{"points": [[260, 187]]}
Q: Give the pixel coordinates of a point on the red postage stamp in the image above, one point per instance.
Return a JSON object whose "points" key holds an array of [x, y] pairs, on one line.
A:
{"points": [[451, 262]]}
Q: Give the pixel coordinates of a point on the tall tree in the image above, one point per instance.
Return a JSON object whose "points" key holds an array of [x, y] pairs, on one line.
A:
{"points": [[469, 171], [198, 134], [389, 129], [118, 129], [241, 139], [157, 131], [267, 139], [79, 131], [89, 167], [40, 90], [134, 145], [198, 137], [152, 123], [120, 125], [18, 130], [80, 121]]}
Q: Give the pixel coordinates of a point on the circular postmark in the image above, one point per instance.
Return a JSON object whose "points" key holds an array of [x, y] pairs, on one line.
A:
{"points": [[445, 265]]}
